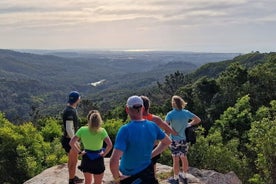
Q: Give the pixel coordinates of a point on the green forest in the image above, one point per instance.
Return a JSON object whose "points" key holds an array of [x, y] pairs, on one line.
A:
{"points": [[235, 99]]}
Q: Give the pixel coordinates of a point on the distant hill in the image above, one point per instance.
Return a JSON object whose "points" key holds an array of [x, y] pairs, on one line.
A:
{"points": [[41, 79], [248, 60]]}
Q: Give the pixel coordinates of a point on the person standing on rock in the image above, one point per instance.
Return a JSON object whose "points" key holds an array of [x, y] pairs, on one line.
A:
{"points": [[70, 124], [92, 137], [178, 119], [157, 120], [130, 161]]}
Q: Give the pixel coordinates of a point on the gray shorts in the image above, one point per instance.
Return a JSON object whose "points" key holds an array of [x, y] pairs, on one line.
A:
{"points": [[179, 148]]}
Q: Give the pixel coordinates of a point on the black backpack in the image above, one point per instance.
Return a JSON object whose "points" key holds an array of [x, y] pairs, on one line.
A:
{"points": [[191, 134]]}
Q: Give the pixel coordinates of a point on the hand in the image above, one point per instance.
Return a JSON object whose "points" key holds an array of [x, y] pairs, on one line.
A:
{"points": [[101, 153], [122, 177], [189, 125], [81, 153]]}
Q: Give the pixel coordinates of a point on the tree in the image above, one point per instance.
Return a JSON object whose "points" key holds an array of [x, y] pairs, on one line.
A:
{"points": [[263, 141], [24, 151], [173, 82], [212, 153], [262, 82], [235, 122], [231, 83], [203, 91]]}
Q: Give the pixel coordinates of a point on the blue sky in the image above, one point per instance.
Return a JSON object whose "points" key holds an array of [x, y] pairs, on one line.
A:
{"points": [[183, 25]]}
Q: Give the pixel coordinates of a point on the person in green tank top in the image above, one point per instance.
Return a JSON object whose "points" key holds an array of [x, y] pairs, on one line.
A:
{"points": [[92, 137]]}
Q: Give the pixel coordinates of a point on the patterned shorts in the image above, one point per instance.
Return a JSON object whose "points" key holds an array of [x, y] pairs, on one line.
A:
{"points": [[179, 148]]}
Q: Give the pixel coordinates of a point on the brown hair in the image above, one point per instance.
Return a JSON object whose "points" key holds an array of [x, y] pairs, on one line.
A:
{"points": [[95, 121], [91, 112], [146, 102], [178, 102]]}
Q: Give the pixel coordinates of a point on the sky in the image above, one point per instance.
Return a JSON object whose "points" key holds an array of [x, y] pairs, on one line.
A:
{"points": [[174, 25]]}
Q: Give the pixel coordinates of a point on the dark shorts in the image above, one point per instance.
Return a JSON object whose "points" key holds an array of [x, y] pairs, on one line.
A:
{"points": [[65, 143], [155, 159], [92, 166], [146, 176]]}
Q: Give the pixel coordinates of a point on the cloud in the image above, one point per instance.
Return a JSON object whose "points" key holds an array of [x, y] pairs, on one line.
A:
{"points": [[133, 22], [50, 13]]}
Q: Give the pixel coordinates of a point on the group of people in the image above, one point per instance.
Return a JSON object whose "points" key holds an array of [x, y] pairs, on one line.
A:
{"points": [[137, 146]]}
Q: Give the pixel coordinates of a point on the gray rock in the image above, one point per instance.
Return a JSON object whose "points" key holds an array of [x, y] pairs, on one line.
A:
{"points": [[59, 175]]}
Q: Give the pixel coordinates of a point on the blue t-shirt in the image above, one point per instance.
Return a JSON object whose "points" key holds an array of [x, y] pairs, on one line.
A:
{"points": [[178, 120], [136, 140]]}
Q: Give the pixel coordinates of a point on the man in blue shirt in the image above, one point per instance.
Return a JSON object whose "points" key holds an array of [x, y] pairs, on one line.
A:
{"points": [[134, 144]]}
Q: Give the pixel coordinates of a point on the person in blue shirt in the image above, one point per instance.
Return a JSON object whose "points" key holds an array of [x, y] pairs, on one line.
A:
{"points": [[179, 119], [134, 146]]}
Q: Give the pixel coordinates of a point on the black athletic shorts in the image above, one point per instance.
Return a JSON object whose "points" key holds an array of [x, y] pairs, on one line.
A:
{"points": [[146, 176], [65, 143], [92, 166], [155, 159]]}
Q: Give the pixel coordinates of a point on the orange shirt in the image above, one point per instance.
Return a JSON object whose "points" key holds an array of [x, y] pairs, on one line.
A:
{"points": [[148, 117]]}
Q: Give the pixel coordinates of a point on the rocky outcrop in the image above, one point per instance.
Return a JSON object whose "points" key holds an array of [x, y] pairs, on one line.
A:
{"points": [[59, 175]]}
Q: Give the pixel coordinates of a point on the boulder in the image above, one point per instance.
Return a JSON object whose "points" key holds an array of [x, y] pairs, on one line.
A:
{"points": [[59, 175]]}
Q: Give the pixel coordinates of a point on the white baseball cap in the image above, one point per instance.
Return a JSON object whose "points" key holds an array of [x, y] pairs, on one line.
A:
{"points": [[134, 102]]}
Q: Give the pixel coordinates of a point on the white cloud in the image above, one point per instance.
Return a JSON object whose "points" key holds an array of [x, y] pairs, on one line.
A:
{"points": [[155, 22]]}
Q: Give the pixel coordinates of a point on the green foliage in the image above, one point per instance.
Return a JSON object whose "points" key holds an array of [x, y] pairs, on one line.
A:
{"points": [[262, 82], [211, 153], [112, 126], [203, 91], [173, 82], [118, 112], [8, 154], [166, 158], [28, 95], [235, 122], [237, 133], [51, 129], [263, 141], [26, 163], [231, 83], [24, 152], [85, 106]]}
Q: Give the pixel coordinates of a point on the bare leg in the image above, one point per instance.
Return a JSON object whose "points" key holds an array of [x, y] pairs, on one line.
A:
{"points": [[72, 163], [175, 165], [185, 163], [98, 178], [88, 178]]}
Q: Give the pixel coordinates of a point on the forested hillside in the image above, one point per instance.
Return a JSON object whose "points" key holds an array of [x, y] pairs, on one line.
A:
{"points": [[35, 85], [236, 102]]}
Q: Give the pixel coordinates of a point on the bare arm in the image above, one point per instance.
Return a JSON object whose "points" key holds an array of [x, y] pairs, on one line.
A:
{"points": [[164, 125], [114, 164], [109, 146], [74, 144], [163, 144], [196, 120], [70, 128]]}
